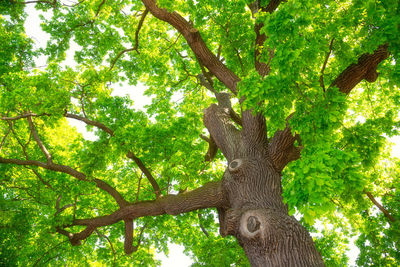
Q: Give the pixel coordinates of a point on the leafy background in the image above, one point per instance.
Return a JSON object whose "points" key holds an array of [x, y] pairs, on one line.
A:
{"points": [[345, 138]]}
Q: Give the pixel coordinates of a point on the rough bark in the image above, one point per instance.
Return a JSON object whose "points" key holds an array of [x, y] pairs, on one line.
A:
{"points": [[257, 216]]}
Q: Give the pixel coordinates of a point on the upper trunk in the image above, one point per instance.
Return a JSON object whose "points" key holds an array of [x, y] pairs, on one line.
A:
{"points": [[257, 216]]}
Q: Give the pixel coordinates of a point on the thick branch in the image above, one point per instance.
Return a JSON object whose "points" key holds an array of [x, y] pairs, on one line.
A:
{"points": [[282, 148], [221, 128], [196, 43], [52, 166], [208, 196], [380, 207], [254, 129], [112, 191], [128, 243], [365, 68], [90, 122]]}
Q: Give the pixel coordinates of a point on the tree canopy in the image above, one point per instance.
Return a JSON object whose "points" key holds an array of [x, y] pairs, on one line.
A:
{"points": [[322, 75]]}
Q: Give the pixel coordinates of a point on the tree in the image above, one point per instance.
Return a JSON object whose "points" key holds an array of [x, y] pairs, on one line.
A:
{"points": [[261, 110]]}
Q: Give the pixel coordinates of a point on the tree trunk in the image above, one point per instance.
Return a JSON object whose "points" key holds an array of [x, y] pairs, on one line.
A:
{"points": [[256, 215], [259, 219]]}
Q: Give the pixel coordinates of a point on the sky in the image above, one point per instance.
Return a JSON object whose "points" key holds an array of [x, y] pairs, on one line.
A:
{"points": [[176, 257]]}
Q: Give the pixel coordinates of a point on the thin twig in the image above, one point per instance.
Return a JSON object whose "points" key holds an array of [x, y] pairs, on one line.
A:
{"points": [[201, 226], [47, 252], [136, 46], [4, 138], [99, 8], [38, 141], [321, 78], [109, 241]]}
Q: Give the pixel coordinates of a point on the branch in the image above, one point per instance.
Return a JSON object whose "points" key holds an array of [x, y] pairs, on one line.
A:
{"points": [[109, 241], [47, 252], [130, 154], [282, 147], [146, 172], [282, 150], [38, 141], [90, 122], [118, 56], [99, 8], [321, 78], [53, 167], [112, 191], [208, 196], [254, 130], [201, 226], [212, 148], [135, 48], [146, 11], [68, 170], [26, 115], [365, 68], [262, 67], [41, 179], [53, 3], [196, 43], [128, 244], [222, 130], [3, 140], [379, 206]]}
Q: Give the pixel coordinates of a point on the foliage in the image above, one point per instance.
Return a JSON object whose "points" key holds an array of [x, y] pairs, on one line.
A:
{"points": [[344, 138]]}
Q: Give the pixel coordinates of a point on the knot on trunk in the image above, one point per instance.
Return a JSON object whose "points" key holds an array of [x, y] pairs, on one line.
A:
{"points": [[235, 165], [252, 224]]}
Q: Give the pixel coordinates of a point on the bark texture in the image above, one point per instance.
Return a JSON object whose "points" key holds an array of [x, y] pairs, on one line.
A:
{"points": [[257, 216]]}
